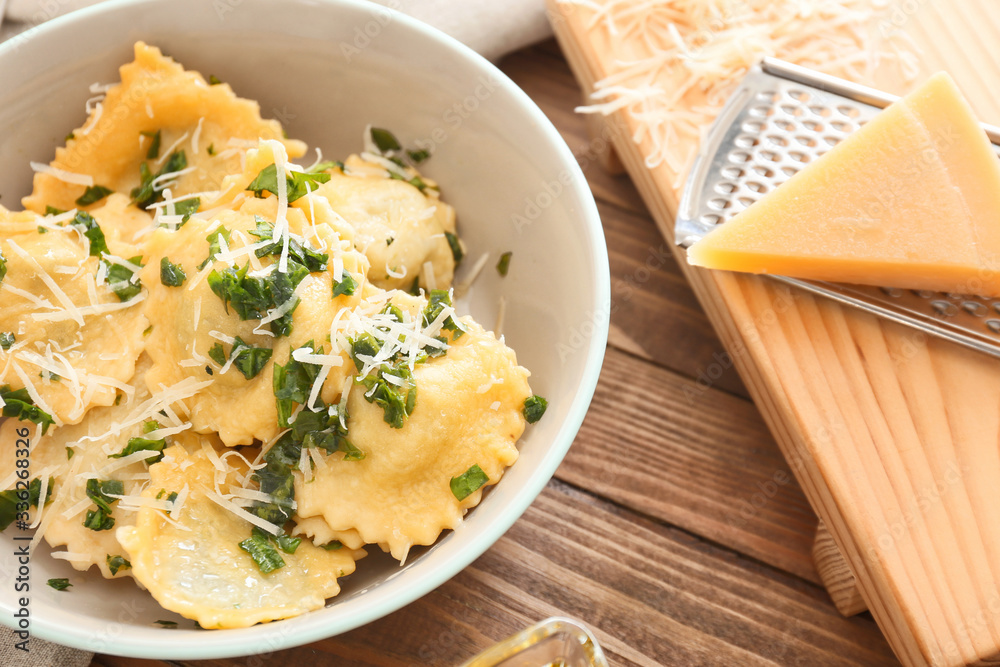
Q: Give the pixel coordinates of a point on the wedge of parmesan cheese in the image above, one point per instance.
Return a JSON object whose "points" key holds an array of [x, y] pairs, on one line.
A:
{"points": [[911, 200]]}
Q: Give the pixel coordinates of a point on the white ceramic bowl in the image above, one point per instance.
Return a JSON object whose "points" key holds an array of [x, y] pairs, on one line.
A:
{"points": [[327, 68]]}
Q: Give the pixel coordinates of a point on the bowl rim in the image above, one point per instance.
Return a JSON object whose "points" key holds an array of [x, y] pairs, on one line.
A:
{"points": [[222, 644]]}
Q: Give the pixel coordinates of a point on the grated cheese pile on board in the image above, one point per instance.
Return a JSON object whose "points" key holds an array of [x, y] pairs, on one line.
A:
{"points": [[203, 342], [677, 61]]}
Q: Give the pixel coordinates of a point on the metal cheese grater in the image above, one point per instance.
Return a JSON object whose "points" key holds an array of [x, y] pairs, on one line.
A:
{"points": [[781, 118]]}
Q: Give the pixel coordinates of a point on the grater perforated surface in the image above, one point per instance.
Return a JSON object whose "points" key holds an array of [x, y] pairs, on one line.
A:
{"points": [[781, 118]]}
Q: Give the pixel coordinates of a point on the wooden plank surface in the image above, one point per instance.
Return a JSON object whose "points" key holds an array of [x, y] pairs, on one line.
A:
{"points": [[674, 528], [893, 437]]}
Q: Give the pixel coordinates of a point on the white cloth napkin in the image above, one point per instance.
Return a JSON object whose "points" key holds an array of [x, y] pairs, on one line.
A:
{"points": [[492, 28]]}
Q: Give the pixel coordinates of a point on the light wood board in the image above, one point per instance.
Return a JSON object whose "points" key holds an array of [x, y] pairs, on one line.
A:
{"points": [[892, 435]]}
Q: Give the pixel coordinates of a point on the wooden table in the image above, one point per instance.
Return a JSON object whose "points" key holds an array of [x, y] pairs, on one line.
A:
{"points": [[674, 529]]}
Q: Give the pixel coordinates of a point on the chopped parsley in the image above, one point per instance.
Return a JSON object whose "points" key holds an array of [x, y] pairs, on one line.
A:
{"points": [[8, 508], [7, 339], [263, 553], [214, 246], [100, 493], [248, 360], [52, 210], [120, 279], [3, 266], [11, 499], [303, 254], [171, 275], [415, 181], [145, 194], [154, 147], [293, 382], [35, 491], [276, 480], [437, 301], [213, 80], [93, 194], [534, 408], [456, 247], [389, 147], [299, 183], [88, 226], [332, 545], [385, 140], [391, 384], [503, 266], [50, 376], [186, 208], [167, 624], [418, 156], [70, 136], [70, 452], [347, 285], [116, 563], [59, 584], [321, 427], [171, 498], [253, 296], [468, 482], [287, 543], [138, 444], [211, 149], [392, 388], [327, 165], [19, 405]]}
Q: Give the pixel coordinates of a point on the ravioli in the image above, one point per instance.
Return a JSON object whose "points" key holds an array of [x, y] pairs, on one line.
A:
{"points": [[66, 350], [318, 530], [157, 94], [71, 455], [189, 320], [468, 412], [196, 568], [281, 335], [400, 229]]}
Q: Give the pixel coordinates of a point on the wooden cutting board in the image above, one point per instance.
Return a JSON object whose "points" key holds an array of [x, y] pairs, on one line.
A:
{"points": [[894, 436]]}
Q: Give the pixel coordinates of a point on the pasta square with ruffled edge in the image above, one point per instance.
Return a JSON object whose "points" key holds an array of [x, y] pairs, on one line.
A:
{"points": [[57, 298], [190, 320], [467, 413], [160, 102], [195, 567]]}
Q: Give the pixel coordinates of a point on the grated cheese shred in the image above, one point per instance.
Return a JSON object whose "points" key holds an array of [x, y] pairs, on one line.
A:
{"points": [[677, 61]]}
